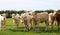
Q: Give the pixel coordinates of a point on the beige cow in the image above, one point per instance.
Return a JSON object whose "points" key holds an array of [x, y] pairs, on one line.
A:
{"points": [[27, 20], [40, 17]]}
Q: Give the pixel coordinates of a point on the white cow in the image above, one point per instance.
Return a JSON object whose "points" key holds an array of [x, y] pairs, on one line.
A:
{"points": [[51, 19], [16, 19], [4, 15], [2, 22], [13, 15]]}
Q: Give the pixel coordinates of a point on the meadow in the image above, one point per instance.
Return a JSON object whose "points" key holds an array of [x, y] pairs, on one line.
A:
{"points": [[11, 30]]}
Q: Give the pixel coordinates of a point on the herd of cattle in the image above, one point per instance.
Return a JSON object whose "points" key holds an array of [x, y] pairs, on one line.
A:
{"points": [[32, 19]]}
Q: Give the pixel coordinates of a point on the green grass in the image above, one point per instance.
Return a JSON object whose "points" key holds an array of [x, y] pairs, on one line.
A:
{"points": [[11, 30]]}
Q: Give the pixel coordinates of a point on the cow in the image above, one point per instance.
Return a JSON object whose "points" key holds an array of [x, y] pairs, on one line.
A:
{"points": [[51, 19], [13, 15], [40, 17], [16, 19], [2, 22], [27, 20], [4, 15], [57, 17]]}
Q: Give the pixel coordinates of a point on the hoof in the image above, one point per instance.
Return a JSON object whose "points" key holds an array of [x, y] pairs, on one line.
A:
{"points": [[25, 29], [46, 30], [37, 30]]}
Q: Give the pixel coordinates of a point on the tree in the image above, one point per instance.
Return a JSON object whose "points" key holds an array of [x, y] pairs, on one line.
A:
{"points": [[39, 11], [58, 11], [49, 11], [21, 11]]}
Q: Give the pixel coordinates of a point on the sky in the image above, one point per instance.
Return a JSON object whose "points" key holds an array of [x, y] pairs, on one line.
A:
{"points": [[29, 4]]}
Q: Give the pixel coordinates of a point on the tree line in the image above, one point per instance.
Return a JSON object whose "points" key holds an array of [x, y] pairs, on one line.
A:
{"points": [[9, 12], [23, 11]]}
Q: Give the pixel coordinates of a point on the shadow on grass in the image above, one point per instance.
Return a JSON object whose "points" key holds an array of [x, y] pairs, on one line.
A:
{"points": [[42, 29], [19, 29], [10, 25]]}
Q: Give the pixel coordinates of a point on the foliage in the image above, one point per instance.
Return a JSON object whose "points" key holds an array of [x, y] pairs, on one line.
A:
{"points": [[58, 11], [9, 12], [49, 11], [39, 11]]}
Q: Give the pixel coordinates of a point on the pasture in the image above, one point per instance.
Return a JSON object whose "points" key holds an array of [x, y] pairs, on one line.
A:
{"points": [[11, 30]]}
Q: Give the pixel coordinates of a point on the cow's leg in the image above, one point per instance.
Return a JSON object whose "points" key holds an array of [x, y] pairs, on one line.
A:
{"points": [[14, 22], [30, 24], [4, 22], [0, 27], [52, 24], [17, 24], [36, 27], [3, 26], [26, 25], [58, 25], [46, 22]]}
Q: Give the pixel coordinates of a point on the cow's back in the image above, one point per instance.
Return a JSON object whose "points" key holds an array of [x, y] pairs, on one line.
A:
{"points": [[58, 17], [42, 16]]}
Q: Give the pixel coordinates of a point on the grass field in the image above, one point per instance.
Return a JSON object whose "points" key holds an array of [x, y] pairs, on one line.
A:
{"points": [[11, 30]]}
